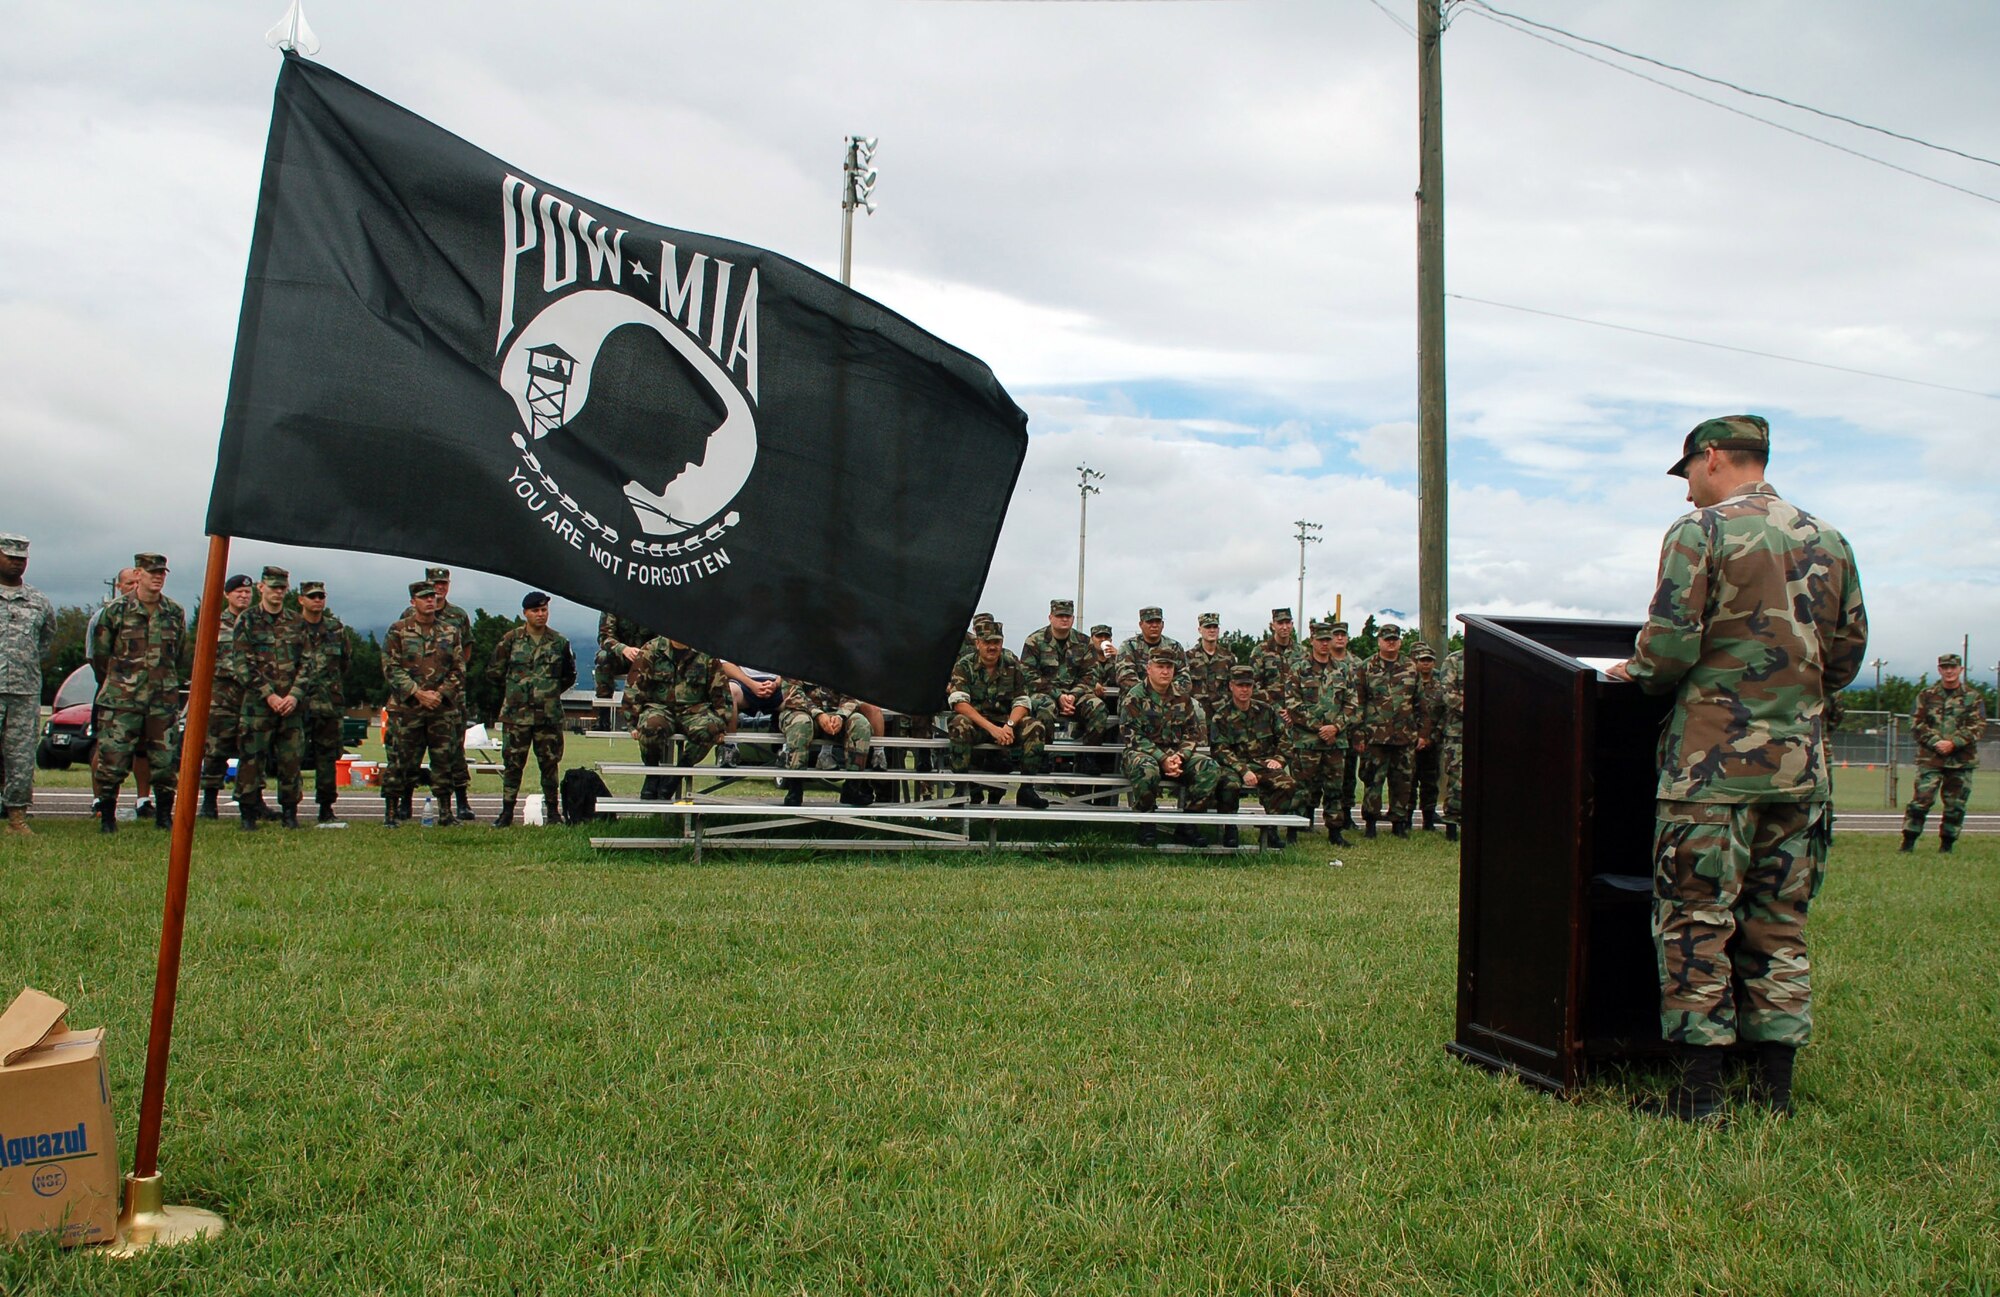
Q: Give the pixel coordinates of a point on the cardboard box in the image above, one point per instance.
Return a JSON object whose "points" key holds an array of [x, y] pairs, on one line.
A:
{"points": [[58, 1152]]}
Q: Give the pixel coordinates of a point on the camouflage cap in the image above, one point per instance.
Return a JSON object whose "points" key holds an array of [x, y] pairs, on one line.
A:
{"points": [[1320, 629], [980, 617], [150, 562], [311, 589], [1242, 675], [1062, 607], [277, 578], [1100, 629], [1422, 652], [990, 633], [437, 574], [13, 545], [1209, 619], [1389, 630], [1949, 660], [1163, 654], [1337, 627], [418, 589], [1151, 614], [534, 599], [1281, 614], [241, 581], [1731, 432]]}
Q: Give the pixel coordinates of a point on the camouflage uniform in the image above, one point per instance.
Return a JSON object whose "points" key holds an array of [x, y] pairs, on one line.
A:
{"points": [[532, 672], [1130, 664], [1065, 666], [1757, 618], [1275, 664], [1451, 760], [1208, 677], [137, 654], [270, 654], [27, 628], [799, 713], [225, 711], [676, 691], [1958, 715], [1391, 723], [615, 634], [1428, 768], [1321, 693], [1156, 727], [331, 647], [994, 694], [416, 656], [1242, 739]]}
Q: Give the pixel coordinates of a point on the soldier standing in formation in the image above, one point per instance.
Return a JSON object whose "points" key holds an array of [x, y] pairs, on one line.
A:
{"points": [[1324, 706], [988, 696], [1163, 729], [1391, 728], [331, 648], [269, 652], [458, 774], [674, 690], [1949, 722], [1253, 747], [1451, 762], [1350, 768], [533, 665], [1136, 652], [27, 629], [1430, 707], [1756, 620], [423, 659], [1063, 682], [1278, 655], [1209, 664], [225, 699], [136, 651], [809, 711]]}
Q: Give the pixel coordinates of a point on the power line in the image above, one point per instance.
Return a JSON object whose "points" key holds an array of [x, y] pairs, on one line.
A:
{"points": [[1731, 85], [1408, 30], [1730, 108], [1723, 346]]}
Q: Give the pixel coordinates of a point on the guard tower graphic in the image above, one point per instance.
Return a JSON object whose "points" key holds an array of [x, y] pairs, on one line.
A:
{"points": [[549, 371]]}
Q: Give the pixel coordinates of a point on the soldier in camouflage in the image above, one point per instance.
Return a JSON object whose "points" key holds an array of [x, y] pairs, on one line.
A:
{"points": [[1392, 728], [533, 664], [1451, 760], [136, 651], [225, 699], [1949, 722], [1278, 655], [988, 696], [619, 640], [1136, 652], [1324, 709], [1757, 619], [675, 692], [1341, 790], [331, 649], [423, 659], [457, 774], [1209, 665], [1430, 705], [1253, 747], [809, 711], [1164, 731], [27, 629], [270, 652], [1063, 682]]}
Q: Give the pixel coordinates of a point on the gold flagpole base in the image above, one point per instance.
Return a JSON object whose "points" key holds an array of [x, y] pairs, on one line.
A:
{"points": [[147, 1222]]}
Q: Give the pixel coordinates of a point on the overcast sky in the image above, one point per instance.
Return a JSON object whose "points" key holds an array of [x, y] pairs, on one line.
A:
{"points": [[1183, 236]]}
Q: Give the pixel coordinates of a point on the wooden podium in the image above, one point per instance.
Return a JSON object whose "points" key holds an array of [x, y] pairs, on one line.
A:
{"points": [[1555, 949]]}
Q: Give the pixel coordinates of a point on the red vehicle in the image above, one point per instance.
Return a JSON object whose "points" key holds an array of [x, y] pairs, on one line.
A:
{"points": [[69, 737]]}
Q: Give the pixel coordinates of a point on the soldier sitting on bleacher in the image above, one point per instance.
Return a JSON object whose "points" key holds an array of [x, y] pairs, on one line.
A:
{"points": [[810, 711]]}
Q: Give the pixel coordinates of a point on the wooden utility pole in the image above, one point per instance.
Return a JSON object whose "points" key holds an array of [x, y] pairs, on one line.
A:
{"points": [[1431, 503]]}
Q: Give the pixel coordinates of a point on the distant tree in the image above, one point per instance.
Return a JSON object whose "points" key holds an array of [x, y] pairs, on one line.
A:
{"points": [[1361, 644], [67, 651], [1240, 646], [483, 696], [363, 685]]}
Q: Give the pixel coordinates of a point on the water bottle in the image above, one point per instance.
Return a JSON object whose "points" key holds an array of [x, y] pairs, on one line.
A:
{"points": [[430, 812]]}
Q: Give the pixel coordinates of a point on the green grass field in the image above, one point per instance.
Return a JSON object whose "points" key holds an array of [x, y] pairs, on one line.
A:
{"points": [[465, 1061]]}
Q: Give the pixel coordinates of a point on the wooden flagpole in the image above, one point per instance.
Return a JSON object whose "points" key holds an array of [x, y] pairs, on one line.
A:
{"points": [[146, 1220]]}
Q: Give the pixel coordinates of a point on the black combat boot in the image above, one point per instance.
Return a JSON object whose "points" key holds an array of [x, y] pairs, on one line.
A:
{"points": [[208, 809], [391, 803], [445, 819], [107, 814], [551, 806], [795, 791], [1268, 839], [246, 813], [1697, 1097], [1771, 1082], [1430, 820], [1945, 844], [288, 814], [1399, 829], [1451, 833], [1189, 836], [1291, 835], [1335, 835], [505, 820], [464, 806], [855, 792], [326, 810], [1909, 842], [1369, 831], [406, 803], [163, 808], [1028, 797], [1149, 835], [1228, 803]]}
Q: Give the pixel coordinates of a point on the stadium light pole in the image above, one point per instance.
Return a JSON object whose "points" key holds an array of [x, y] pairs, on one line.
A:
{"points": [[857, 189], [1085, 475], [1308, 534], [1878, 664]]}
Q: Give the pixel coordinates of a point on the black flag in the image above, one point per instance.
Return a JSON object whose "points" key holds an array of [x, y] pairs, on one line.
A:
{"points": [[443, 357]]}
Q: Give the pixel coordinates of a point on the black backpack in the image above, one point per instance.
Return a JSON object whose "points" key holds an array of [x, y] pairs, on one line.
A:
{"points": [[581, 787]]}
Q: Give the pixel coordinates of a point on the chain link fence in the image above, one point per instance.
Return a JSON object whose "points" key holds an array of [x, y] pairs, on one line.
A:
{"points": [[1879, 745]]}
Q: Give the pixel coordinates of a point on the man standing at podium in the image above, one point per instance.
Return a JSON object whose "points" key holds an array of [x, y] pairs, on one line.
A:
{"points": [[1756, 620]]}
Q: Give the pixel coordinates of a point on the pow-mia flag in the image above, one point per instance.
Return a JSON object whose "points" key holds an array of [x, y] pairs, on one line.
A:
{"points": [[443, 357]]}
